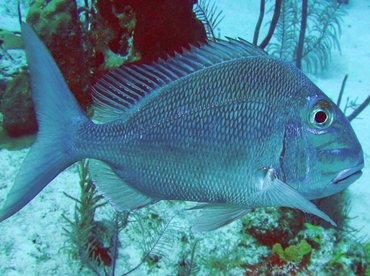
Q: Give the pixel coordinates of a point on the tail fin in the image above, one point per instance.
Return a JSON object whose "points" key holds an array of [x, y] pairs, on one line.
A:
{"points": [[58, 115]]}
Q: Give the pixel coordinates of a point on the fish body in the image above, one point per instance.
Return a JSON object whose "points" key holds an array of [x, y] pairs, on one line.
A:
{"points": [[205, 137], [194, 140], [223, 124]]}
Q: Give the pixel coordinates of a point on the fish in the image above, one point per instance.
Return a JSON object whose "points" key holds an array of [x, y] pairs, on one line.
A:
{"points": [[10, 40], [222, 124]]}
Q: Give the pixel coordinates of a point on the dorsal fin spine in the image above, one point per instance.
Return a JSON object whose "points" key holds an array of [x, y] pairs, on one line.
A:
{"points": [[179, 69], [204, 59], [151, 72], [160, 74], [147, 70], [104, 99], [170, 74], [152, 81], [116, 87], [218, 47], [183, 66], [129, 82], [124, 87], [129, 79], [193, 63], [140, 78], [111, 83], [104, 91]]}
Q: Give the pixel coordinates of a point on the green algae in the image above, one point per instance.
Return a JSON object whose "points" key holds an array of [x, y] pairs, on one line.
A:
{"points": [[292, 253]]}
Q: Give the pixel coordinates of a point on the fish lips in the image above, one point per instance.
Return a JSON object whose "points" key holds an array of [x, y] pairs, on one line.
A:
{"points": [[348, 176]]}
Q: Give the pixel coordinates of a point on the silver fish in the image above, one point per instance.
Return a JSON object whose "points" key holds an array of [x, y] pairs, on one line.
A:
{"points": [[223, 124]]}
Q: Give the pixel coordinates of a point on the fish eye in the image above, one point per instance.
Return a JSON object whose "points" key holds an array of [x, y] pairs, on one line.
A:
{"points": [[321, 115]]}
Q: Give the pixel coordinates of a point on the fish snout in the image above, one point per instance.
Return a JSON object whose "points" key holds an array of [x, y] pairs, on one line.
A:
{"points": [[344, 164], [350, 175]]}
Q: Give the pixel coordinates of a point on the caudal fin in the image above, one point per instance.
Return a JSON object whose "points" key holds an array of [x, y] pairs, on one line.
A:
{"points": [[58, 115]]}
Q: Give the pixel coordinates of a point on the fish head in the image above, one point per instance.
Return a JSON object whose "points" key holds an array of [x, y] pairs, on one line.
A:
{"points": [[324, 152]]}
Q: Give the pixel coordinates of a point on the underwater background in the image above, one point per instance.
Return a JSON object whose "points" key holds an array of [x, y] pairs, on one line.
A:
{"points": [[69, 230]]}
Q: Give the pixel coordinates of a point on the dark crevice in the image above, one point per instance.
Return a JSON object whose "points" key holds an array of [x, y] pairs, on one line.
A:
{"points": [[281, 158]]}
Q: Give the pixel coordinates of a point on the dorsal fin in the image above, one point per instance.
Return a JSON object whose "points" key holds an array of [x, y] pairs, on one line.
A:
{"points": [[124, 87]]}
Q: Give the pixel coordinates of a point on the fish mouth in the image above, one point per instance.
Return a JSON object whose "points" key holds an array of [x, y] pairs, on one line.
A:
{"points": [[349, 175]]}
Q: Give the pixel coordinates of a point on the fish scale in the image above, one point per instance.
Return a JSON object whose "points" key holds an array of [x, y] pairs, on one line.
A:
{"points": [[162, 129], [222, 124], [208, 121]]}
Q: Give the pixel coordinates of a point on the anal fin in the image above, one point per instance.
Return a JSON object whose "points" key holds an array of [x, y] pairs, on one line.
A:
{"points": [[122, 196]]}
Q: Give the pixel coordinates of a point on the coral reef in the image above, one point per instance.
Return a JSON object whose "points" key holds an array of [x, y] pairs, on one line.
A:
{"points": [[113, 33], [17, 107], [293, 253], [314, 251], [110, 34], [266, 241], [2, 90], [160, 27], [11, 56], [272, 225], [57, 23]]}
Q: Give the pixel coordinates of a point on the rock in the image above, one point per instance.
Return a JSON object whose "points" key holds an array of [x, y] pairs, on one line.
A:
{"points": [[110, 35], [19, 116], [165, 26], [2, 90], [57, 24], [273, 225], [121, 32], [158, 27]]}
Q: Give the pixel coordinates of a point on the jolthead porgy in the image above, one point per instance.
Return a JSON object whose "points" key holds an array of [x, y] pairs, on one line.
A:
{"points": [[222, 124]]}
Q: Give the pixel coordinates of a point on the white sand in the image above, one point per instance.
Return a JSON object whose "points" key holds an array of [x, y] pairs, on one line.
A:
{"points": [[31, 241]]}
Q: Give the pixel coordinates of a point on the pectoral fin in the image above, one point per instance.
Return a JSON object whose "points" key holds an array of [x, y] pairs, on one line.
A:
{"points": [[216, 215], [276, 193]]}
